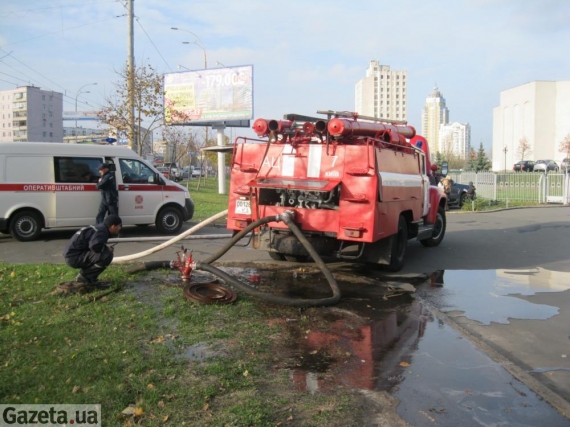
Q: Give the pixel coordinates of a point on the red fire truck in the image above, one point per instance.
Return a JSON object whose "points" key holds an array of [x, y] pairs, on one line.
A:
{"points": [[358, 188]]}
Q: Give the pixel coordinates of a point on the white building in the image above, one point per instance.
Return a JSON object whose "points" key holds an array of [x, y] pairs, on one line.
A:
{"points": [[538, 111], [434, 114], [31, 114], [382, 93], [455, 139]]}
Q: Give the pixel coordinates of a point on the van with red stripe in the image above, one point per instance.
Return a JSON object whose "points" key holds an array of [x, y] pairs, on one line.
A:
{"points": [[49, 185]]}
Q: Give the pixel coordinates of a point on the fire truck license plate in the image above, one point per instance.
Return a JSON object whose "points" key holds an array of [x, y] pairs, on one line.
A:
{"points": [[243, 207]]}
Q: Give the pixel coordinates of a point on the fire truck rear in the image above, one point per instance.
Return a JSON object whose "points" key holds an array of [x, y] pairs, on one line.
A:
{"points": [[358, 188]]}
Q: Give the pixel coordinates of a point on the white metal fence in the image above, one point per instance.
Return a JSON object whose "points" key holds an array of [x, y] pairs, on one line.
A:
{"points": [[518, 186]]}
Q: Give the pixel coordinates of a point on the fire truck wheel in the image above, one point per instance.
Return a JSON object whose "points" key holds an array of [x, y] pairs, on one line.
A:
{"points": [[277, 256], [296, 258], [169, 220], [438, 230], [25, 226], [398, 246]]}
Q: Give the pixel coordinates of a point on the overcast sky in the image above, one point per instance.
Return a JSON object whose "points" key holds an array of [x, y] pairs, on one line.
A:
{"points": [[306, 55]]}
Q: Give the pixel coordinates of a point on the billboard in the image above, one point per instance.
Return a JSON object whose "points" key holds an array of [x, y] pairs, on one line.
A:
{"points": [[209, 97]]}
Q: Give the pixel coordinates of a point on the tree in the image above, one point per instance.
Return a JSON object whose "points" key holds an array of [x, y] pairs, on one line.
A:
{"points": [[564, 146], [148, 105], [480, 162], [523, 148]]}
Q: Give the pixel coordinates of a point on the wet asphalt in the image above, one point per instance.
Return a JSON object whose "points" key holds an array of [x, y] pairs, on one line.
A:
{"points": [[485, 341]]}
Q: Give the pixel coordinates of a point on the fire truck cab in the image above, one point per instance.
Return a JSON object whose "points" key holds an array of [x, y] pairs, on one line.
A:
{"points": [[359, 188]]}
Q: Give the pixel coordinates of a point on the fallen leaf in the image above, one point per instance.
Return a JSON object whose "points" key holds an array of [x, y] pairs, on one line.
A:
{"points": [[161, 404], [138, 411], [75, 389], [150, 386], [404, 364], [165, 419], [246, 373], [205, 407], [128, 411], [314, 352]]}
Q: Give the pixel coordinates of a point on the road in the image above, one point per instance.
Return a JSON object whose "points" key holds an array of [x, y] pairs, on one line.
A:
{"points": [[502, 280]]}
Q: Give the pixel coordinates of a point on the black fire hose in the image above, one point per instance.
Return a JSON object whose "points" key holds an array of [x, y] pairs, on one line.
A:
{"points": [[287, 218]]}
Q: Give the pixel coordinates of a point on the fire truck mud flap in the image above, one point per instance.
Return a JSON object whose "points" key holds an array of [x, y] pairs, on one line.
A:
{"points": [[288, 244]]}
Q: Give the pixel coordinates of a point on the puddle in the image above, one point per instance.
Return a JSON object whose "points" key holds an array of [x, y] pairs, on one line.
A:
{"points": [[490, 295], [438, 377]]}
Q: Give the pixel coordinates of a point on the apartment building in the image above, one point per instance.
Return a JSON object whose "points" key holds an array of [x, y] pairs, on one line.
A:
{"points": [[455, 140], [383, 93], [31, 114], [434, 114]]}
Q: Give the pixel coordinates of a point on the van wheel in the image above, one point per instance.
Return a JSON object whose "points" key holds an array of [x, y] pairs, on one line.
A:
{"points": [[169, 220], [398, 246], [25, 226], [438, 230]]}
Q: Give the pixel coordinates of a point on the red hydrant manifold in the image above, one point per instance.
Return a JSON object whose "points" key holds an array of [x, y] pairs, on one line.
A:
{"points": [[184, 263]]}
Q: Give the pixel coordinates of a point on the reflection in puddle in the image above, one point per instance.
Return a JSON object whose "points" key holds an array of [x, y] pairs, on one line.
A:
{"points": [[487, 296], [438, 377]]}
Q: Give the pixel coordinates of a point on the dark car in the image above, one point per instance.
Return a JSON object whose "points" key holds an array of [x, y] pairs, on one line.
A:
{"points": [[459, 194], [545, 166], [524, 166]]}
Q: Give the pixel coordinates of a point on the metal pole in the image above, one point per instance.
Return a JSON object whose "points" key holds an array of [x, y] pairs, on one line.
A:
{"points": [[131, 74], [77, 96]]}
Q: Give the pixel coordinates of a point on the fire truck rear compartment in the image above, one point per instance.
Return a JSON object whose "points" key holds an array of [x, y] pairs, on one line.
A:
{"points": [[298, 198]]}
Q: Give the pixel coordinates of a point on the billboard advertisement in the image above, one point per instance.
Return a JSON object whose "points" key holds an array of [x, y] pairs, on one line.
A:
{"points": [[208, 97]]}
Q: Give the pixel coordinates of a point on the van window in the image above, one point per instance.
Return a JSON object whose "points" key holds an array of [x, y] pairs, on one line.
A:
{"points": [[135, 171], [76, 169]]}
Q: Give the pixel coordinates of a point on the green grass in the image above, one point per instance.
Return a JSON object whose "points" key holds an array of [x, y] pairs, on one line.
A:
{"points": [[125, 346], [483, 204], [206, 199]]}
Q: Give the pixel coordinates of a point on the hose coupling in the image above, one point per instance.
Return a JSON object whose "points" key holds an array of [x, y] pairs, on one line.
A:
{"points": [[287, 215]]}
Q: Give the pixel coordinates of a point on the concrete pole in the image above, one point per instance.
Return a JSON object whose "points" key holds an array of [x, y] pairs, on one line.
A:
{"points": [[221, 161], [131, 74]]}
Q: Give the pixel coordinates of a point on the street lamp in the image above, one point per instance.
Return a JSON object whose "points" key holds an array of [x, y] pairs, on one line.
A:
{"points": [[505, 149], [76, 96], [197, 42]]}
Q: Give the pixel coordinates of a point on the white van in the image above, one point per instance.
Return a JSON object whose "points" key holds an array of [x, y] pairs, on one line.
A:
{"points": [[47, 185]]}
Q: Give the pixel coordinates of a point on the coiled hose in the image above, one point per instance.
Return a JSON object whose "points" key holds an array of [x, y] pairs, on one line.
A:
{"points": [[287, 218]]}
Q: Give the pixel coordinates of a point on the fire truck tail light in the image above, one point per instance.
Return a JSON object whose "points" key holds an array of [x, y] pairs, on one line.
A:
{"points": [[354, 230], [357, 198], [357, 171], [242, 223], [247, 168], [242, 190]]}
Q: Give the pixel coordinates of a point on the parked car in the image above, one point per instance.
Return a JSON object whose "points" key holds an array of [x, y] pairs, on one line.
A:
{"points": [[186, 172], [164, 171], [545, 166], [196, 172], [460, 193], [175, 171], [565, 164], [524, 166]]}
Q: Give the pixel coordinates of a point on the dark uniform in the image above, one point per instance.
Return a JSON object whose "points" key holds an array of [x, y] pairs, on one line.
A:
{"points": [[88, 251], [109, 194]]}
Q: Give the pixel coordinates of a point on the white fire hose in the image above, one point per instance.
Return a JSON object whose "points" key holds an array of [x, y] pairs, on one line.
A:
{"points": [[170, 242]]}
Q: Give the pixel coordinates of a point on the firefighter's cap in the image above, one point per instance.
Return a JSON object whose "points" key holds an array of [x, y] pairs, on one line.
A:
{"points": [[112, 220]]}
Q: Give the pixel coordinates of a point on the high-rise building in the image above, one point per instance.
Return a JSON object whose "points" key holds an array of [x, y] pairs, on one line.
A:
{"points": [[455, 140], [434, 114], [382, 93], [31, 114], [539, 112]]}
